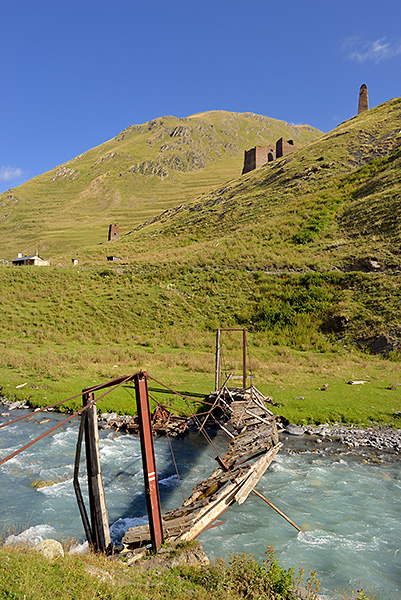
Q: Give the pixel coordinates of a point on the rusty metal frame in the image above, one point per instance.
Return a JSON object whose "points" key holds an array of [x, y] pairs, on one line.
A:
{"points": [[148, 461], [218, 353]]}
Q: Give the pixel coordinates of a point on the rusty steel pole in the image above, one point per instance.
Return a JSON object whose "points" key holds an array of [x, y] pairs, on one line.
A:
{"points": [[149, 461], [217, 369], [244, 358]]}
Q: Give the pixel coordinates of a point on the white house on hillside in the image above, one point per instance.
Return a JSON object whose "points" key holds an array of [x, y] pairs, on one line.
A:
{"points": [[30, 260]]}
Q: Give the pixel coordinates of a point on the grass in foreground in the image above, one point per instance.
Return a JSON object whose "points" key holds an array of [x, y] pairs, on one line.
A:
{"points": [[31, 576], [26, 574]]}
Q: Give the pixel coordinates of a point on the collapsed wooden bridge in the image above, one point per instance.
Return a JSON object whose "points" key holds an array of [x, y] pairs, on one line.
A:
{"points": [[254, 443], [242, 413]]}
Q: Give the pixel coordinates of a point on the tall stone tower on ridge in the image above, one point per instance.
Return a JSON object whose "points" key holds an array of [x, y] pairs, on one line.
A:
{"points": [[363, 99]]}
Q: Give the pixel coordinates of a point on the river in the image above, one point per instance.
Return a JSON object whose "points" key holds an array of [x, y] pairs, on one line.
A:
{"points": [[349, 504]]}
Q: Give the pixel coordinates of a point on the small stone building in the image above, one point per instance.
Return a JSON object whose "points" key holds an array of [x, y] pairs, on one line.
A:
{"points": [[284, 147], [114, 258], [260, 155], [114, 232]]}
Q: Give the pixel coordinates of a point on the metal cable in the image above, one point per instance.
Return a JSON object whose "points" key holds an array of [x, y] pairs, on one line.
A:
{"points": [[79, 412], [171, 449], [195, 418], [175, 465], [38, 410]]}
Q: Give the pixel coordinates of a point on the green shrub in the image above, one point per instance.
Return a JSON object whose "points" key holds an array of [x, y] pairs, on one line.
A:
{"points": [[242, 576]]}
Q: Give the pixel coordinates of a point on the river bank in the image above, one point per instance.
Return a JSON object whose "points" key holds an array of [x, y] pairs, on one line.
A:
{"points": [[339, 436], [327, 488], [383, 439]]}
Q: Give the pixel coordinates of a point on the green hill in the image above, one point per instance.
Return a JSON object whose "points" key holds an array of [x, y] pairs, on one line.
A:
{"points": [[333, 204], [304, 252], [144, 170]]}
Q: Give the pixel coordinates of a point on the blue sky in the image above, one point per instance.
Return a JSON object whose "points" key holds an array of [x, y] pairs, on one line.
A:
{"points": [[75, 73]]}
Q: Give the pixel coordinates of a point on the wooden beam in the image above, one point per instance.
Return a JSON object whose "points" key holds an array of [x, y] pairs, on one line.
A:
{"points": [[244, 359], [97, 501], [277, 510], [256, 473]]}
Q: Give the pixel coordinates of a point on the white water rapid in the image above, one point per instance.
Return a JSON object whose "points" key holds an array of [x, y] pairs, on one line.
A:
{"points": [[348, 504]]}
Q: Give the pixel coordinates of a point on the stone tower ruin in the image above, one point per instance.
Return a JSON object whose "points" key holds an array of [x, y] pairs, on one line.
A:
{"points": [[363, 104], [284, 147], [114, 232], [261, 155], [256, 157]]}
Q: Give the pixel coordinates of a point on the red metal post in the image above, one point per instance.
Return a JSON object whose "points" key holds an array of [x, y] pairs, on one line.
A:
{"points": [[149, 461], [217, 369], [244, 358]]}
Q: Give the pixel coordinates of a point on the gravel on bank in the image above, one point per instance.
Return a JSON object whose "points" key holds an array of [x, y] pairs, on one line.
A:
{"points": [[378, 438]]}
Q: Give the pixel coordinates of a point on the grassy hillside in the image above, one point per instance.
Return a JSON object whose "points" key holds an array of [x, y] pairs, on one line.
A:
{"points": [[304, 252], [144, 170], [63, 329], [333, 204]]}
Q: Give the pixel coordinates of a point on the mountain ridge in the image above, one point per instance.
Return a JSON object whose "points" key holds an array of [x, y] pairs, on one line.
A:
{"points": [[142, 170], [302, 195]]}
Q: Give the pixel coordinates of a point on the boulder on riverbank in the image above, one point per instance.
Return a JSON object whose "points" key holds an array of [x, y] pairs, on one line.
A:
{"points": [[50, 548]]}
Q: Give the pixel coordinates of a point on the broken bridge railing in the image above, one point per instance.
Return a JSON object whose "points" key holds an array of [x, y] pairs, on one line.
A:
{"points": [[97, 527]]}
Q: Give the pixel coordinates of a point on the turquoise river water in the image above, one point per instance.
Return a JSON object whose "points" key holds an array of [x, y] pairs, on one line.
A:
{"points": [[348, 504]]}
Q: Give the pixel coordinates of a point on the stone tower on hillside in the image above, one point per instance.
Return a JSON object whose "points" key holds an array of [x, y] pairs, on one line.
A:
{"points": [[114, 232], [256, 157], [284, 147], [363, 99]]}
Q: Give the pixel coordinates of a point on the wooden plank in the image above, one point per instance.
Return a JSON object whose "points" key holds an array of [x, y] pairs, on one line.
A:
{"points": [[229, 496], [214, 511], [258, 471], [192, 524], [211, 485]]}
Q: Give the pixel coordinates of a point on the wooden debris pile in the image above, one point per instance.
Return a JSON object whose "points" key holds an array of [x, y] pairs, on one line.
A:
{"points": [[163, 423], [253, 446], [246, 409]]}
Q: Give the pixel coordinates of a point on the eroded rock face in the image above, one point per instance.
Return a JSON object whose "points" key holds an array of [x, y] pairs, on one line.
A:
{"points": [[382, 344], [50, 548]]}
